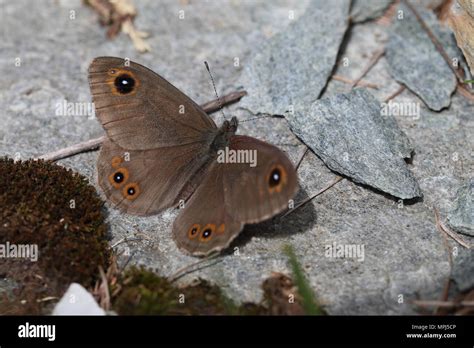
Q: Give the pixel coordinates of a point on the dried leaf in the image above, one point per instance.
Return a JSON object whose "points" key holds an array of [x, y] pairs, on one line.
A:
{"points": [[118, 15], [462, 24]]}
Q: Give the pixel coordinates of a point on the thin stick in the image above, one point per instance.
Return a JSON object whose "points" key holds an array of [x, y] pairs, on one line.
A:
{"points": [[375, 58], [446, 244], [190, 268], [395, 94], [105, 301], [334, 182], [127, 262], [443, 304], [360, 83], [301, 159], [444, 295], [94, 144], [435, 41], [125, 240], [450, 233], [386, 19], [88, 145], [228, 99], [48, 298], [465, 92], [256, 118]]}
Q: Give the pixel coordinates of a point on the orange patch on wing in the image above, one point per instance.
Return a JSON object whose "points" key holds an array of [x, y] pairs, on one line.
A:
{"points": [[194, 231], [114, 73], [210, 229], [283, 179], [221, 229], [116, 161], [122, 171], [131, 191]]}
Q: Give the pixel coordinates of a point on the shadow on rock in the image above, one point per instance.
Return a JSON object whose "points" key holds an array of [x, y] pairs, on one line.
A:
{"points": [[300, 220]]}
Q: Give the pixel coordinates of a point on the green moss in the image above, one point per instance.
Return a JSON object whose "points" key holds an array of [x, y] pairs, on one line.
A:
{"points": [[141, 292], [56, 209]]}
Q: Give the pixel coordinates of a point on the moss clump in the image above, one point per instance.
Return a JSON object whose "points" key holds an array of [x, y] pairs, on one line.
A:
{"points": [[142, 292], [56, 209], [139, 291]]}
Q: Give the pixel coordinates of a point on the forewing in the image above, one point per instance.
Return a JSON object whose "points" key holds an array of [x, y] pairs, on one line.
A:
{"points": [[140, 110]]}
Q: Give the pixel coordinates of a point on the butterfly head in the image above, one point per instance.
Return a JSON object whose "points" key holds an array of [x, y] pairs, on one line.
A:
{"points": [[230, 126]]}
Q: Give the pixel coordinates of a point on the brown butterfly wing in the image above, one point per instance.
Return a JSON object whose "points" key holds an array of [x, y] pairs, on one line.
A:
{"points": [[146, 182], [140, 110], [206, 225], [232, 195], [250, 191]]}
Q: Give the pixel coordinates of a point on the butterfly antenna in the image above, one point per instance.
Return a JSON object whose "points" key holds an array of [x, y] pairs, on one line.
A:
{"points": [[256, 118], [215, 90]]}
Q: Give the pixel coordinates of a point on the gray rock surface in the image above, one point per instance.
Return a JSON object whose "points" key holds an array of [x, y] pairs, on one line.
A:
{"points": [[415, 61], [364, 10], [404, 252], [443, 163], [291, 69], [352, 137], [463, 266], [461, 218]]}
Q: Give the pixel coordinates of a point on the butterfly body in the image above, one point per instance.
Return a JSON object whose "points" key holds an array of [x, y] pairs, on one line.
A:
{"points": [[223, 135], [162, 150]]}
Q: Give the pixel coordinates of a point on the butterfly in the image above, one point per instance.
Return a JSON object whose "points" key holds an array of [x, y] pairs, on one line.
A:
{"points": [[162, 150]]}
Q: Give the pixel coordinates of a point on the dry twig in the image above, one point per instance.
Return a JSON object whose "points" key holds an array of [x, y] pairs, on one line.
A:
{"points": [[375, 58], [104, 286], [435, 41], [88, 145], [299, 205], [302, 157], [445, 294], [443, 304], [349, 81], [119, 15], [395, 94], [193, 267], [440, 224]]}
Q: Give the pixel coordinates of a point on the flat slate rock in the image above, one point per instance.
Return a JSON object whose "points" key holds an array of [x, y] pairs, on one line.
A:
{"points": [[461, 218], [294, 66], [349, 134], [414, 60], [365, 10]]}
